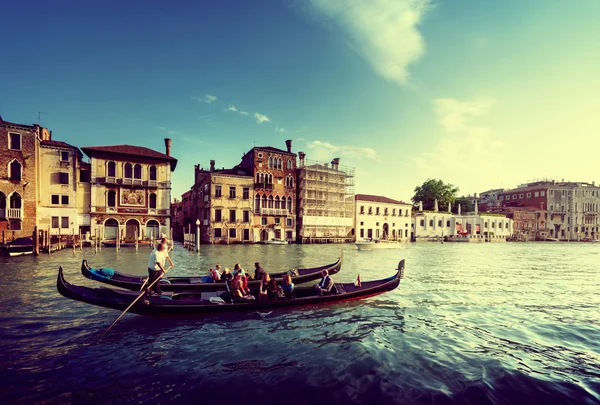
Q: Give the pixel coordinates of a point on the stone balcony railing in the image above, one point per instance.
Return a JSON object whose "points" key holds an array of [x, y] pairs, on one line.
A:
{"points": [[12, 213], [133, 182], [273, 211]]}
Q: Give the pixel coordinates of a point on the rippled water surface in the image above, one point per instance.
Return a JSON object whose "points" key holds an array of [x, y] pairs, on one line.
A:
{"points": [[470, 323]]}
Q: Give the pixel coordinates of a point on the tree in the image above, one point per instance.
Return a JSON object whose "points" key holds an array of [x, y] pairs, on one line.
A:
{"points": [[466, 205], [434, 189]]}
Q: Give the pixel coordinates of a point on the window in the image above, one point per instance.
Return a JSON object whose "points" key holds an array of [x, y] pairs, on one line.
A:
{"points": [[137, 172], [289, 235], [217, 191], [362, 209], [232, 233], [528, 195], [111, 169], [501, 198], [246, 216], [152, 173], [64, 156], [63, 178], [521, 196], [277, 220], [394, 212], [217, 232], [362, 223], [447, 224], [84, 176], [263, 221], [54, 222], [246, 193], [54, 199], [260, 155], [362, 233], [290, 222], [377, 211], [440, 223], [542, 193], [232, 192], [289, 163], [536, 194], [64, 222], [422, 223], [152, 201], [14, 141], [431, 222], [15, 225], [370, 210], [111, 198], [514, 197], [128, 171], [232, 216], [385, 212], [246, 234], [15, 170], [218, 216], [64, 199]]}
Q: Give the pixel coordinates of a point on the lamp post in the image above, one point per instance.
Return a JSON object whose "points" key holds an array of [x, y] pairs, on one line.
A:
{"points": [[197, 235]]}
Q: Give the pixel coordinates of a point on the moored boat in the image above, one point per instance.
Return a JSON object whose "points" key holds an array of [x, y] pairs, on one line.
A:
{"points": [[198, 283], [187, 302], [113, 243], [378, 244], [18, 247], [275, 242]]}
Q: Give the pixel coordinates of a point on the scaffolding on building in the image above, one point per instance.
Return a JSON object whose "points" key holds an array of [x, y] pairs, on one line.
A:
{"points": [[325, 202]]}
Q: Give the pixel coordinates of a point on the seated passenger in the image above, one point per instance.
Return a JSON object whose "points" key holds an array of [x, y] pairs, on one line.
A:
{"points": [[244, 276], [272, 290], [287, 286], [238, 289], [262, 288], [325, 285], [216, 273]]}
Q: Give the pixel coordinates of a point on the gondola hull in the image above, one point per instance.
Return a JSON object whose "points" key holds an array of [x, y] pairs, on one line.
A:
{"points": [[195, 303], [132, 282]]}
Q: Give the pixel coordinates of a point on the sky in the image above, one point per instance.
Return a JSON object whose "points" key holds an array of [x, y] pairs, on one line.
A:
{"points": [[480, 94]]}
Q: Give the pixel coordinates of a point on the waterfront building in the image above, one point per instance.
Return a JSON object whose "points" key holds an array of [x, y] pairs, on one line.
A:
{"points": [[222, 199], [130, 191], [274, 179], [488, 200], [325, 201], [529, 223], [573, 208], [379, 217], [18, 179], [64, 188]]}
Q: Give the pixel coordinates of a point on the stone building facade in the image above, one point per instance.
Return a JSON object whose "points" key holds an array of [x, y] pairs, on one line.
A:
{"points": [[18, 179], [130, 191], [379, 217]]}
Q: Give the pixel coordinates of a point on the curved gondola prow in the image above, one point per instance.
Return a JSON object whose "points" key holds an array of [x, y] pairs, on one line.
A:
{"points": [[401, 269]]}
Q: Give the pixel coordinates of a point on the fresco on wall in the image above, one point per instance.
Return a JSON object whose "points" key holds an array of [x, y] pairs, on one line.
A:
{"points": [[132, 197]]}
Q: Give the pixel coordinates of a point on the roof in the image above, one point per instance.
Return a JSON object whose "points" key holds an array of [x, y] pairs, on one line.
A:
{"points": [[129, 150], [272, 149], [58, 144], [31, 127], [377, 198], [530, 188]]}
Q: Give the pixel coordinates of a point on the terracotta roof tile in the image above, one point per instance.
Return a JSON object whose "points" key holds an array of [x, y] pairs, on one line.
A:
{"points": [[129, 150], [378, 198]]}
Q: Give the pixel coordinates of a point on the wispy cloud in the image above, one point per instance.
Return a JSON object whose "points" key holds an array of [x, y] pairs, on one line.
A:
{"points": [[232, 108], [167, 130], [208, 98], [261, 118], [464, 146], [244, 112], [384, 32], [325, 150], [279, 129]]}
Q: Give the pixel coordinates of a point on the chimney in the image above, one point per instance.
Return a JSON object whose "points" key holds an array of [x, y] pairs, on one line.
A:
{"points": [[168, 146], [335, 163], [212, 165], [288, 143], [301, 155]]}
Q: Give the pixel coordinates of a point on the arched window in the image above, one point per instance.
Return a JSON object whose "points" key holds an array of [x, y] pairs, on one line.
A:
{"points": [[14, 170], [153, 173], [277, 202], [280, 164], [290, 204], [283, 203], [291, 182], [264, 201], [270, 179], [137, 171], [127, 170], [270, 165], [270, 201], [289, 164], [2, 204], [152, 200], [111, 169], [111, 198], [258, 177], [15, 200], [257, 203]]}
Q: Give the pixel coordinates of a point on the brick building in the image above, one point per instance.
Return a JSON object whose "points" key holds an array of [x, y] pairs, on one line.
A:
{"points": [[18, 180]]}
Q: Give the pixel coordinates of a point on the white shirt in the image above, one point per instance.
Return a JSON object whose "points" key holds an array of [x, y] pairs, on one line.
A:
{"points": [[157, 257]]}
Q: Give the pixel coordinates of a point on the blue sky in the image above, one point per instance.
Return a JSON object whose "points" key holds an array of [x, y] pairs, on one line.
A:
{"points": [[481, 94]]}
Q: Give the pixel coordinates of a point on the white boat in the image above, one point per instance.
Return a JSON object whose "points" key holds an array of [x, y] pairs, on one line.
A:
{"points": [[275, 242], [378, 244]]}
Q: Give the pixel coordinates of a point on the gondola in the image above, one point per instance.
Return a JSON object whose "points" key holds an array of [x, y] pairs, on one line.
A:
{"points": [[199, 283], [190, 302], [18, 247]]}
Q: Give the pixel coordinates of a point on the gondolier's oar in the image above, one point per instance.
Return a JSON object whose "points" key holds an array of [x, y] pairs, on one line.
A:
{"points": [[130, 305]]}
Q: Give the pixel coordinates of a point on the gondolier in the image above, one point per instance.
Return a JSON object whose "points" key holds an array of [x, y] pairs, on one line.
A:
{"points": [[156, 267]]}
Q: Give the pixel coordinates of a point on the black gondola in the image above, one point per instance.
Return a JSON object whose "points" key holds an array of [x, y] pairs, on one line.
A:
{"points": [[198, 283], [18, 247], [197, 302]]}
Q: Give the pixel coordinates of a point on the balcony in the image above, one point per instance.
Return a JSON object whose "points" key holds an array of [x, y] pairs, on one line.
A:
{"points": [[264, 186], [274, 211], [133, 182], [13, 213]]}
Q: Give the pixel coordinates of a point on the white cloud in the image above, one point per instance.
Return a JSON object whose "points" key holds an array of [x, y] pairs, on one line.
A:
{"points": [[231, 108], [324, 151], [279, 129], [454, 115], [261, 118], [384, 32], [244, 112], [208, 98]]}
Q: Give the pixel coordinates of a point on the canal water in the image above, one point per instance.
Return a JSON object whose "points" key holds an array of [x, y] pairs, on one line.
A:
{"points": [[470, 323]]}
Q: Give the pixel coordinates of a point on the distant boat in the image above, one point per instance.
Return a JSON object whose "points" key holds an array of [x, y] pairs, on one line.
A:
{"points": [[112, 243], [590, 240], [18, 247], [378, 244], [275, 242], [548, 239]]}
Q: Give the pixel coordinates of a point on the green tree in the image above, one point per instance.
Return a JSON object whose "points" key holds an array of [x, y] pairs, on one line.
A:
{"points": [[466, 205], [434, 189]]}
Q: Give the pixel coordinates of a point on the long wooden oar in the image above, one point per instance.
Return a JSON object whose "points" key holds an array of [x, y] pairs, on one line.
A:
{"points": [[130, 305]]}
